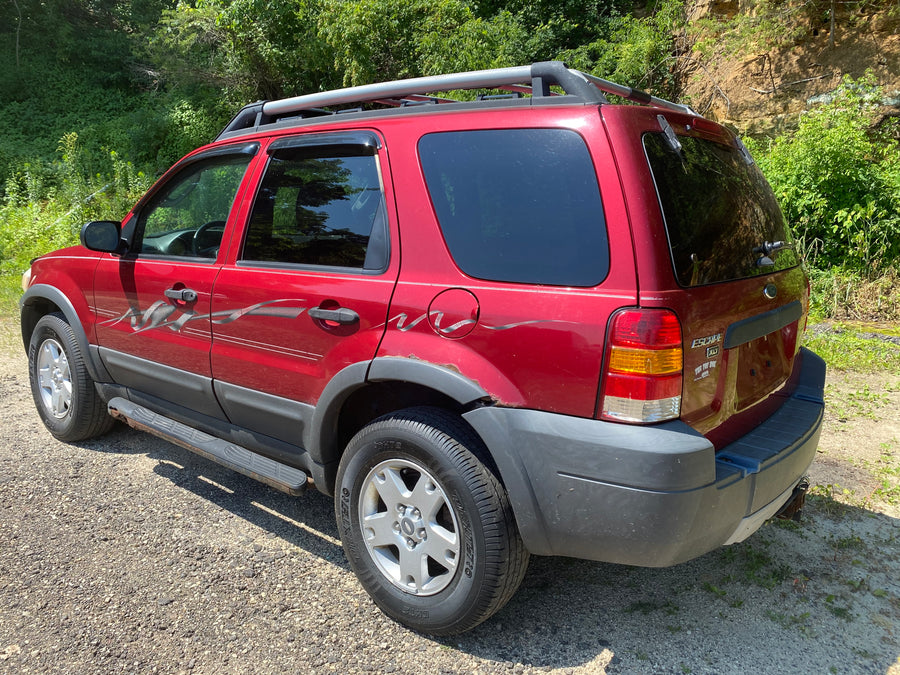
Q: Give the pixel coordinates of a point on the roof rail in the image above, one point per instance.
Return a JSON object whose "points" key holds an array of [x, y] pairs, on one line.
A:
{"points": [[535, 79]]}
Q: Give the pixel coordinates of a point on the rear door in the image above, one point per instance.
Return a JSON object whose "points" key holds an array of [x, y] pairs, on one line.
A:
{"points": [[725, 263], [307, 289]]}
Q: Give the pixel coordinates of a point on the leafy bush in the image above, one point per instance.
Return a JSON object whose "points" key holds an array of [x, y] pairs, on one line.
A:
{"points": [[45, 205], [838, 181], [631, 49]]}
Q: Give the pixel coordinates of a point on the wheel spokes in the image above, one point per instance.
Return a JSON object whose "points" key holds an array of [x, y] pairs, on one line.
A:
{"points": [[427, 497], [390, 487], [54, 378], [378, 529], [409, 527]]}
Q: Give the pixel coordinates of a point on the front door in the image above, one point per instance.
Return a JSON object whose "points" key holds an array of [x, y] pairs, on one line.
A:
{"points": [[153, 304]]}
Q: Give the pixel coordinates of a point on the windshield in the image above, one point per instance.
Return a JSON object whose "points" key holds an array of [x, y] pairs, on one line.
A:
{"points": [[721, 217]]}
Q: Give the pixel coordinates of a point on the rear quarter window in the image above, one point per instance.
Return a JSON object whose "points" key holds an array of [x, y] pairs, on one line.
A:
{"points": [[718, 209], [518, 205]]}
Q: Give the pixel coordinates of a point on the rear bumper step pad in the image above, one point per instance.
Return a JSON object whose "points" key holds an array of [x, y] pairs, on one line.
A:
{"points": [[275, 474]]}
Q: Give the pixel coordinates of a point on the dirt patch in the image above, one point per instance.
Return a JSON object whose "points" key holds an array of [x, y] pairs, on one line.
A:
{"points": [[862, 442], [762, 89]]}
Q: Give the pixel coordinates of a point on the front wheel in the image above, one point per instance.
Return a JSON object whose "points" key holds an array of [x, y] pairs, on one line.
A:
{"points": [[62, 388], [426, 527]]}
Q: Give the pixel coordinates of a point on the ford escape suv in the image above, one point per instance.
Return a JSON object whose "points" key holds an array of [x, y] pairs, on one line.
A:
{"points": [[533, 323]]}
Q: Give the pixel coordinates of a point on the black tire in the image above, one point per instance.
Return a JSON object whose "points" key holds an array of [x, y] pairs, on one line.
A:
{"points": [[61, 386], [476, 559]]}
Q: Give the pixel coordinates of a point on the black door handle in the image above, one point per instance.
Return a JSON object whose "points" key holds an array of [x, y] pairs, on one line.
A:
{"points": [[341, 315], [183, 294]]}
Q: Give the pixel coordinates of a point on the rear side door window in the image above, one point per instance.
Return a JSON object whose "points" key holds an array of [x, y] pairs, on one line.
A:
{"points": [[320, 206], [309, 292], [519, 205]]}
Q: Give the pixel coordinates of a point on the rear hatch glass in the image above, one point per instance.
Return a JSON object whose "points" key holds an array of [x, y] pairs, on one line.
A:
{"points": [[719, 211]]}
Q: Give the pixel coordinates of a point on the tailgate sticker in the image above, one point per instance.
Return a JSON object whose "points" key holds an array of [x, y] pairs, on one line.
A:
{"points": [[704, 370]]}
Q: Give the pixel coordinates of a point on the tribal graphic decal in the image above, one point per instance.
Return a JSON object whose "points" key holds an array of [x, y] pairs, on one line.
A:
{"points": [[163, 315], [401, 318]]}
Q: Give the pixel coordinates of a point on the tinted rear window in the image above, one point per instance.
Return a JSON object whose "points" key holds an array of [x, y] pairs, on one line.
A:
{"points": [[518, 205], [717, 209]]}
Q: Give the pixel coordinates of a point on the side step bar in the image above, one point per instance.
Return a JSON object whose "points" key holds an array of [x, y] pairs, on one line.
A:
{"points": [[275, 474]]}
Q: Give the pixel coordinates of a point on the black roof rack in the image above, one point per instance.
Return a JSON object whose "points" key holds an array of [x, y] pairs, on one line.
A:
{"points": [[535, 79]]}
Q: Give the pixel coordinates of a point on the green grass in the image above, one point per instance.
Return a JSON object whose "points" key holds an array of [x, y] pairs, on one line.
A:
{"points": [[843, 348], [754, 565], [887, 471], [792, 622]]}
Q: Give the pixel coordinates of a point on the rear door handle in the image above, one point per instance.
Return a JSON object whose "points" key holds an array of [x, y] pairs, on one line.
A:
{"points": [[182, 294], [342, 315]]}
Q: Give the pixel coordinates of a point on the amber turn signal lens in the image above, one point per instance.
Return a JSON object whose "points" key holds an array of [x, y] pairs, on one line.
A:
{"points": [[645, 361]]}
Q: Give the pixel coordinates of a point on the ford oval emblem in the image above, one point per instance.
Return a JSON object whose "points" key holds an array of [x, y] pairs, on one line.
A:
{"points": [[770, 291]]}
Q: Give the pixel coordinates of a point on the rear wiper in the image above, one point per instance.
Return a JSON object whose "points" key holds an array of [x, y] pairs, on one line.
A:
{"points": [[767, 249]]}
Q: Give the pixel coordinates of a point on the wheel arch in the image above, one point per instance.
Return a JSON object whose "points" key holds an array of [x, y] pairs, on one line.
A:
{"points": [[363, 392], [40, 300]]}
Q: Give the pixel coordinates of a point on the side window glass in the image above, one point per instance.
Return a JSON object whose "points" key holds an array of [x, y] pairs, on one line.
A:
{"points": [[320, 206], [187, 217], [518, 205]]}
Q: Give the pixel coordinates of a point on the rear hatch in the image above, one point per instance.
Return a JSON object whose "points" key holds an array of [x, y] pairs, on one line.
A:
{"points": [[716, 252]]}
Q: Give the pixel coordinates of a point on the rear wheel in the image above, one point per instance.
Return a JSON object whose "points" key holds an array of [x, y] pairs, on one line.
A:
{"points": [[62, 388], [426, 526]]}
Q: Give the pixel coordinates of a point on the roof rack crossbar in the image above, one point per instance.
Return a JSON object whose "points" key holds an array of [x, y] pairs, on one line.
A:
{"points": [[479, 79], [535, 79], [635, 95]]}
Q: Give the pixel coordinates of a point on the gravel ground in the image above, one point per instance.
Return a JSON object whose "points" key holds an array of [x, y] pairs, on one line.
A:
{"points": [[131, 554]]}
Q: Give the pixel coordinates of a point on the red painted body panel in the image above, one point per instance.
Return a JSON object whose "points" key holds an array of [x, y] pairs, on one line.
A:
{"points": [[135, 317], [533, 346], [293, 355], [71, 271]]}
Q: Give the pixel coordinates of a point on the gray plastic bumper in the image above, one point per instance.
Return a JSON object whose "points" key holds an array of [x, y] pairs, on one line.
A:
{"points": [[649, 496]]}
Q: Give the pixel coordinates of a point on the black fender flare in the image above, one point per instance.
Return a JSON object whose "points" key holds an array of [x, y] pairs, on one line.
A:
{"points": [[322, 432], [29, 317]]}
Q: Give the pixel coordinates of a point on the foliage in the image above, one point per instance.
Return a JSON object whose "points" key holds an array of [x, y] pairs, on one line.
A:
{"points": [[43, 209], [244, 49], [838, 181], [378, 40], [760, 26], [632, 50], [839, 293]]}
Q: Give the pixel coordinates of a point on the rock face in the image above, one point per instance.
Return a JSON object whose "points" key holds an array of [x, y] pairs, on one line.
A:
{"points": [[759, 66]]}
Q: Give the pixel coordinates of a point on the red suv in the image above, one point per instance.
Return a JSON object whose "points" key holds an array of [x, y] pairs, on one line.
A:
{"points": [[533, 323]]}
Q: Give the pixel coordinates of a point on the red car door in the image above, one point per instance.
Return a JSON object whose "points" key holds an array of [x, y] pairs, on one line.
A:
{"points": [[307, 288], [153, 303]]}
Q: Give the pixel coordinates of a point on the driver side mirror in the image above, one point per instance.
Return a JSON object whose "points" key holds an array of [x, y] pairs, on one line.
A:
{"points": [[102, 235]]}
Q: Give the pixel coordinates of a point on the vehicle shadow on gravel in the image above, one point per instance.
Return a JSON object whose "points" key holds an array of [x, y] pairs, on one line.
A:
{"points": [[824, 594], [306, 521]]}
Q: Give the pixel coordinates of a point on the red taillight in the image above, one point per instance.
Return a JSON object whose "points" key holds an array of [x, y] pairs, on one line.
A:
{"points": [[642, 367]]}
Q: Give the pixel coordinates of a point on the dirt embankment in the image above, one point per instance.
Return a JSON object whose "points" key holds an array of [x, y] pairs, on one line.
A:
{"points": [[758, 65], [128, 554]]}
